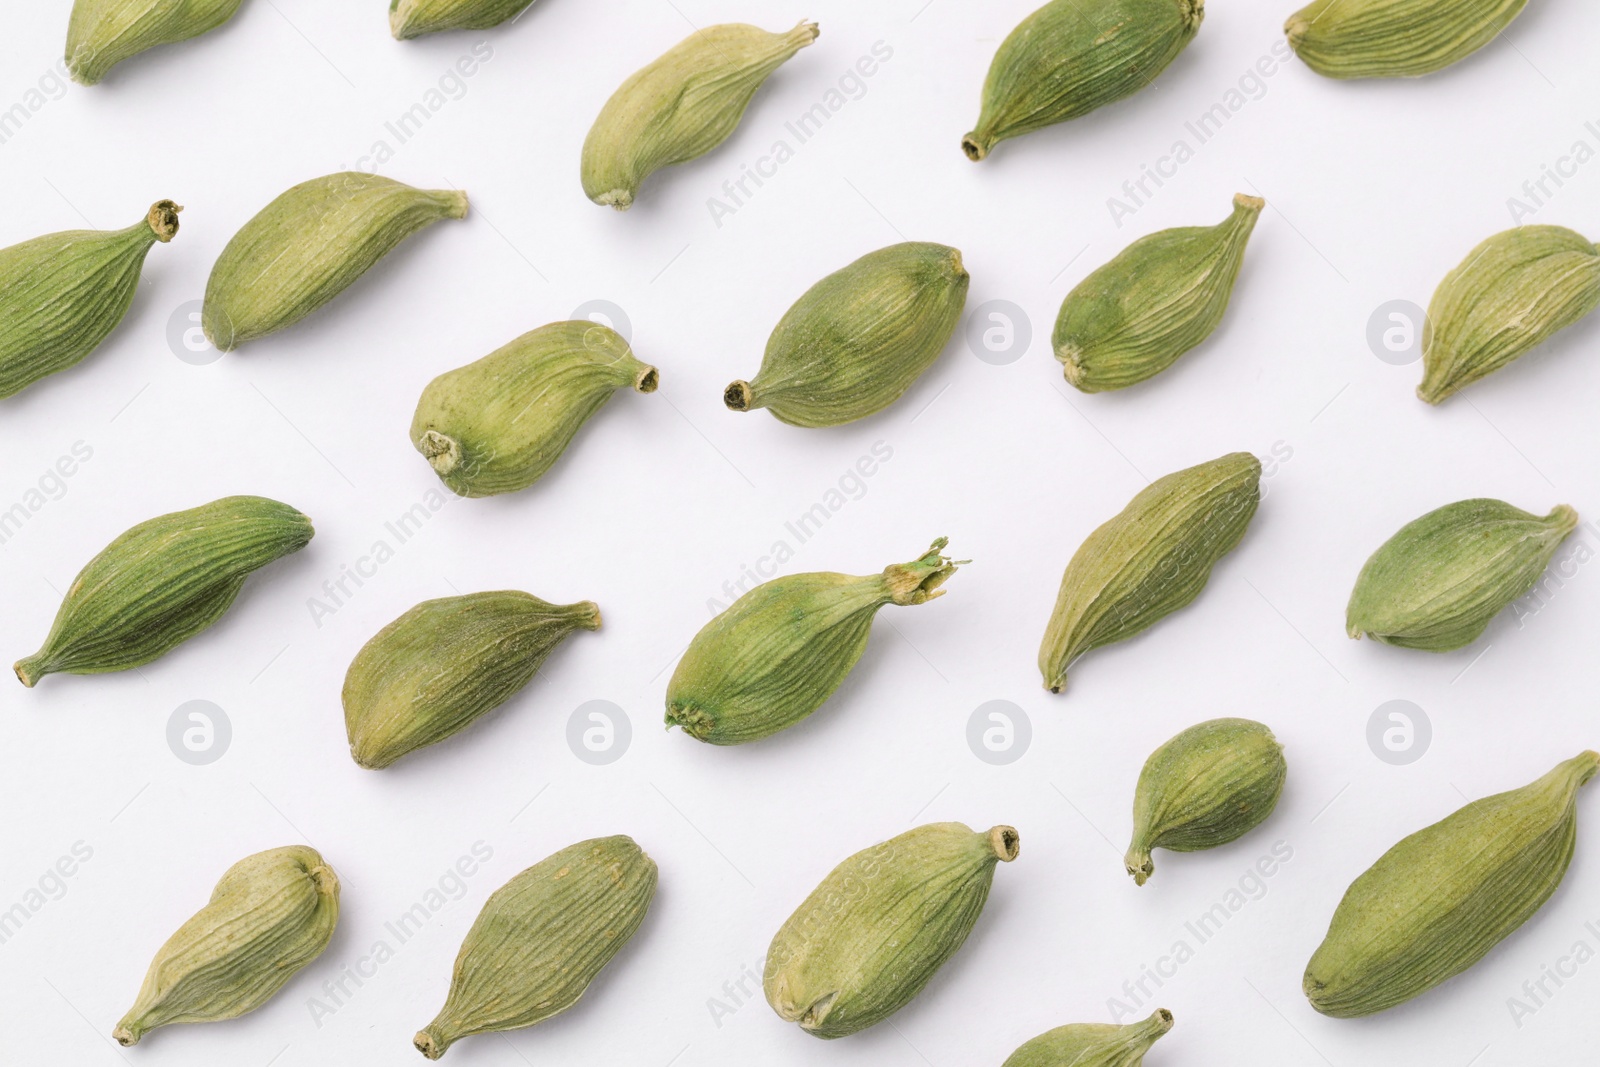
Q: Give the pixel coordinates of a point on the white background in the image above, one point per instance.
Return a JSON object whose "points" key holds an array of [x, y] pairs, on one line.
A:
{"points": [[1375, 191]]}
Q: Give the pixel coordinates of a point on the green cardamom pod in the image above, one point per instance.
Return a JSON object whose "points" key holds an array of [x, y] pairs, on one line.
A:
{"points": [[681, 106], [542, 938], [779, 652], [1394, 38], [102, 33], [414, 18], [308, 246], [445, 664], [1150, 560], [1211, 784], [1162, 295], [1436, 583], [1065, 60], [497, 425], [859, 338], [1514, 292], [61, 295], [270, 915], [1093, 1044], [161, 583], [1437, 902]]}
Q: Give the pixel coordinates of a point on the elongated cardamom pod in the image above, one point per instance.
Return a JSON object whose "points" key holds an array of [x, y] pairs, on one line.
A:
{"points": [[161, 583], [1150, 560], [61, 295], [1093, 1044], [497, 425], [308, 246], [781, 650], [542, 938], [867, 939], [1162, 295], [1437, 902], [103, 33], [1211, 784], [270, 915], [1066, 60], [1436, 583], [859, 338], [1514, 292], [681, 106], [414, 18], [1394, 38]]}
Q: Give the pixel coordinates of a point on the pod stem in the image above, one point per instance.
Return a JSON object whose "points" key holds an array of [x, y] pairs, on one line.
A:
{"points": [[441, 451], [429, 1042], [31, 669], [737, 396], [1146, 1032], [1006, 842], [648, 380], [977, 145], [918, 582], [804, 33], [1564, 518], [163, 219], [1138, 862]]}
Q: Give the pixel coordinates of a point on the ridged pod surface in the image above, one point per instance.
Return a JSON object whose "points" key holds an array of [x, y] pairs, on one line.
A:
{"points": [[103, 33], [1394, 38], [1093, 1044], [414, 18]]}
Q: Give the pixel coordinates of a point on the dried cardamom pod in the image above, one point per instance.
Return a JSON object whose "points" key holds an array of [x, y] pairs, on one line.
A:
{"points": [[497, 425], [681, 106], [1162, 295], [542, 938], [1211, 784], [162, 582], [859, 338], [1066, 60], [1437, 902], [1093, 1044], [102, 33], [308, 246], [1436, 583], [867, 939], [1394, 38], [1150, 560], [780, 651], [414, 18], [270, 915]]}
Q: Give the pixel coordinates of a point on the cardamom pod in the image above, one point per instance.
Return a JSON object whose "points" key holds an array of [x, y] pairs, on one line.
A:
{"points": [[1211, 784], [1066, 60], [497, 425], [1438, 901], [1162, 295], [542, 938], [308, 246], [1150, 560], [1394, 38], [414, 18], [681, 106], [1514, 292], [61, 295], [859, 338], [867, 939], [779, 652], [102, 33], [1436, 583], [1093, 1044], [270, 915], [161, 583], [446, 663]]}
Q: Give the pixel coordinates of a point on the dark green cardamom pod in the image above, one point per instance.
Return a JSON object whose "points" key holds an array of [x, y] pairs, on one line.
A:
{"points": [[1093, 1044], [103, 33], [1394, 38], [414, 18]]}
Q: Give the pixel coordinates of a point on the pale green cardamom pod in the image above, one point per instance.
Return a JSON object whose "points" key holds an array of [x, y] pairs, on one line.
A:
{"points": [[1211, 784], [1093, 1044], [1436, 583], [1437, 902], [859, 338], [781, 650], [270, 915], [542, 938], [1162, 295], [1150, 560], [445, 664], [681, 106], [414, 18], [497, 425], [102, 33], [880, 925], [1067, 59], [1394, 38], [308, 246], [61, 295], [161, 583], [1514, 292]]}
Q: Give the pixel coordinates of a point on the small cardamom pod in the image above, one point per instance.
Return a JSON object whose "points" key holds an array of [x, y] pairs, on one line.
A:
{"points": [[270, 915], [1436, 583], [867, 939], [497, 425], [1150, 560], [1437, 902], [102, 33], [1093, 1044], [1394, 38], [859, 338], [61, 295], [308, 246], [161, 583], [542, 938], [414, 18], [1162, 295], [1211, 784], [779, 652]]}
